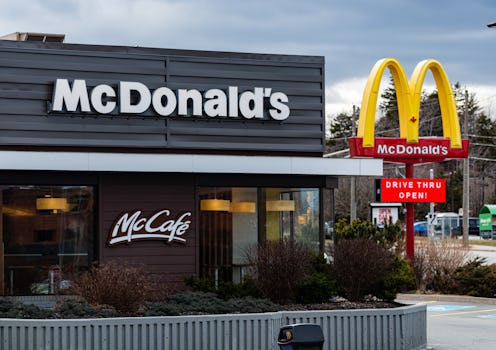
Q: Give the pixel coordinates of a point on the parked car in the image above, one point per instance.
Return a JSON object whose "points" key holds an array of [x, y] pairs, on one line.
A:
{"points": [[473, 227], [420, 228], [489, 234], [329, 229]]}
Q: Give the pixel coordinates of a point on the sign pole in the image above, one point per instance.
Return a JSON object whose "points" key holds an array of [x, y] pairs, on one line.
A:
{"points": [[410, 217]]}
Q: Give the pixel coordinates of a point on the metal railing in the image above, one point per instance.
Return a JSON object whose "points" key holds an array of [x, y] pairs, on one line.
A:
{"points": [[397, 328]]}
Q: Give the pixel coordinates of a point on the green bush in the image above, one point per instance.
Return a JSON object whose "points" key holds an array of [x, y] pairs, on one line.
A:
{"points": [[81, 309], [11, 309], [207, 303], [188, 303], [390, 234], [475, 279], [318, 286], [251, 305], [225, 289], [398, 279]]}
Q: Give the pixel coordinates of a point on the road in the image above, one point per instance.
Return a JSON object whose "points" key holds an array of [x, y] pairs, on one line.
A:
{"points": [[459, 325], [487, 252]]}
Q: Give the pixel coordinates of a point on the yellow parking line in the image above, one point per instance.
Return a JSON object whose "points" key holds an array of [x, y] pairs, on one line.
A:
{"points": [[462, 312]]}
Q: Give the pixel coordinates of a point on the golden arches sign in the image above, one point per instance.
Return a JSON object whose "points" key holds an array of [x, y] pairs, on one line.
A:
{"points": [[408, 94]]}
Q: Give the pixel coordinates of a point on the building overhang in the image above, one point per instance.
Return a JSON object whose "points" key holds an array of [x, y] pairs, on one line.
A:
{"points": [[188, 163]]}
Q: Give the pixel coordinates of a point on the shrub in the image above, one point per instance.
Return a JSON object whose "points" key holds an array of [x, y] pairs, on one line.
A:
{"points": [[390, 235], [251, 305], [475, 279], [435, 262], [279, 268], [11, 309], [81, 309], [318, 286], [225, 289], [398, 279], [187, 303], [121, 285], [360, 267]]}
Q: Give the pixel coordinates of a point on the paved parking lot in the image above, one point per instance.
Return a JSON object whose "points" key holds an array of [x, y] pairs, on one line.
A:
{"points": [[489, 253], [457, 325]]}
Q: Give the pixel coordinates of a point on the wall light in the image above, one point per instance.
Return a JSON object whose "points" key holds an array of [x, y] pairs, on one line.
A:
{"points": [[280, 205], [215, 205], [52, 203], [243, 207]]}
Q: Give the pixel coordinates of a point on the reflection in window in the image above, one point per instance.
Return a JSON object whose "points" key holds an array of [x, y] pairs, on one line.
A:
{"points": [[293, 214], [47, 233], [228, 228], [233, 219]]}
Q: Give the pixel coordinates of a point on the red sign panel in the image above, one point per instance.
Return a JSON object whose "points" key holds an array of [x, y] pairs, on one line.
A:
{"points": [[413, 190], [428, 149]]}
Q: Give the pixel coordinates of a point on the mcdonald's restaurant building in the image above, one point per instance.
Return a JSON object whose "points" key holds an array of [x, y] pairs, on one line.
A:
{"points": [[177, 159]]}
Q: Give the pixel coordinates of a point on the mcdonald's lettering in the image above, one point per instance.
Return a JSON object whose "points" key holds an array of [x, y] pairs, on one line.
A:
{"points": [[408, 147], [412, 150]]}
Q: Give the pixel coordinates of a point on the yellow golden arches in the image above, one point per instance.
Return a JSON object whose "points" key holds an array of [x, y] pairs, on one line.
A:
{"points": [[408, 96]]}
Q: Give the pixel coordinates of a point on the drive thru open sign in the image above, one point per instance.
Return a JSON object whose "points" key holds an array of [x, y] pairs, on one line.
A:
{"points": [[413, 190]]}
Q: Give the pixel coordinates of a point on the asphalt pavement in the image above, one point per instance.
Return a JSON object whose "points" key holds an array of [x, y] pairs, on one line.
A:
{"points": [[457, 322], [487, 252]]}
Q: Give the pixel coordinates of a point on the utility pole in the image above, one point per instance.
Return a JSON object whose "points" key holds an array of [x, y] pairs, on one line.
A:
{"points": [[430, 220], [353, 209], [466, 176]]}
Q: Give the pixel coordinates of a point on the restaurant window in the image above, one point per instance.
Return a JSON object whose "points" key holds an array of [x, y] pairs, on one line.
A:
{"points": [[228, 228], [47, 234], [233, 219], [293, 214]]}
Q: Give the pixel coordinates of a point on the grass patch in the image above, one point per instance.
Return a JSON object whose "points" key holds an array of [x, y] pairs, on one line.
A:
{"points": [[484, 242]]}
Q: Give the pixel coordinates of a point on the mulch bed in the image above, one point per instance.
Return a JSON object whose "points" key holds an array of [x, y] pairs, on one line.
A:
{"points": [[342, 305]]}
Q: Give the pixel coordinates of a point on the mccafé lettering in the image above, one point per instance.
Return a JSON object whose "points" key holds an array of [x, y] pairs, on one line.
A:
{"points": [[159, 226], [105, 99], [409, 150]]}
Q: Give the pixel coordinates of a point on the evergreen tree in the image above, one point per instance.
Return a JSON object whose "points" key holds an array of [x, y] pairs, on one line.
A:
{"points": [[430, 121], [340, 131], [388, 124]]}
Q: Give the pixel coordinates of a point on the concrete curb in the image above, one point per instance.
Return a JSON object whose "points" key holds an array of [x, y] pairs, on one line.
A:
{"points": [[445, 298]]}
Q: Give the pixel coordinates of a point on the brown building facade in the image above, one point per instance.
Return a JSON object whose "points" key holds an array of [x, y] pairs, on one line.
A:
{"points": [[180, 160]]}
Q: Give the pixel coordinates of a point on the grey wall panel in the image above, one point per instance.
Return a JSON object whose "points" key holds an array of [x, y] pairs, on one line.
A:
{"points": [[28, 72], [402, 328]]}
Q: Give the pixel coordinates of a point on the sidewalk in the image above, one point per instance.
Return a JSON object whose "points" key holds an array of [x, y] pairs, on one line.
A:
{"points": [[484, 248], [486, 252], [444, 298]]}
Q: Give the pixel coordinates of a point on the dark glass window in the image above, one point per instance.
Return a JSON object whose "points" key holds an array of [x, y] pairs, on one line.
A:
{"points": [[234, 219], [47, 234]]}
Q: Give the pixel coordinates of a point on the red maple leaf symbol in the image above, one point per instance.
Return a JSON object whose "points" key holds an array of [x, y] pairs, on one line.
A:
{"points": [[413, 119]]}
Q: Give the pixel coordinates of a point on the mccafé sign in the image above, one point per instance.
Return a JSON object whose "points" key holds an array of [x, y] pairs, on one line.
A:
{"points": [[135, 98], [408, 147], [159, 226]]}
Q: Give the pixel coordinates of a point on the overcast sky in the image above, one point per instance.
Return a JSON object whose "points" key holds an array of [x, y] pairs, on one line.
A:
{"points": [[352, 35]]}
